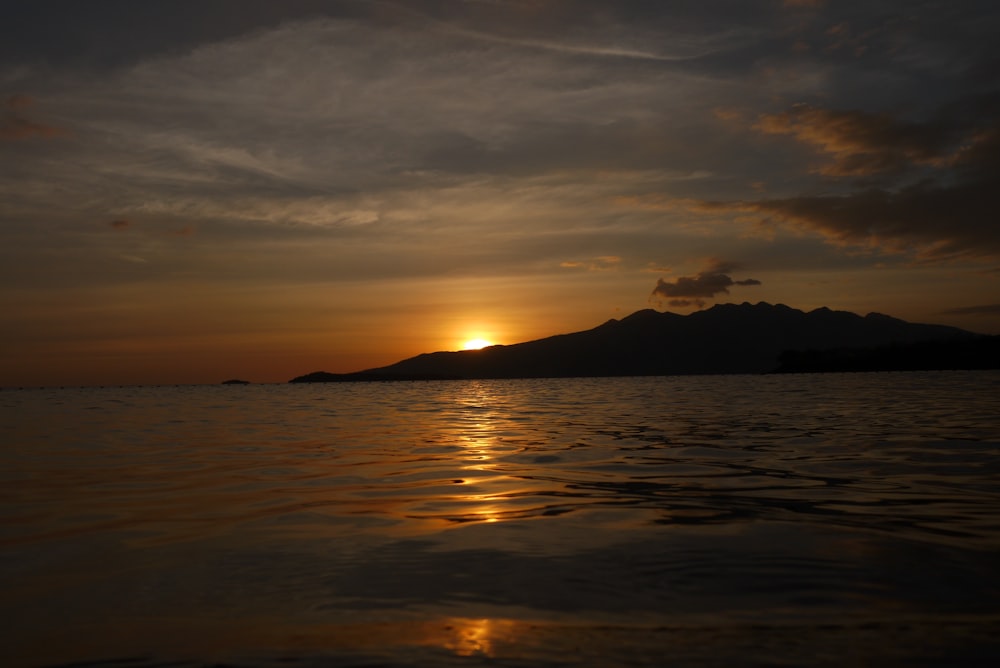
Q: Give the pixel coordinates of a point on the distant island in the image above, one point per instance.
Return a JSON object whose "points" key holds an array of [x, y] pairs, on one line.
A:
{"points": [[724, 339]]}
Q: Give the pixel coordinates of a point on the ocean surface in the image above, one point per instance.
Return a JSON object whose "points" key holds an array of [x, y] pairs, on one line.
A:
{"points": [[815, 520]]}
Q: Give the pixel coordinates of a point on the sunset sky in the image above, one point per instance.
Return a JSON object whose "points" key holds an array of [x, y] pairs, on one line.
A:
{"points": [[196, 191]]}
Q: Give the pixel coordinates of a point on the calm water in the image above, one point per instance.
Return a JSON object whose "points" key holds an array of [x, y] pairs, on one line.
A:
{"points": [[796, 520]]}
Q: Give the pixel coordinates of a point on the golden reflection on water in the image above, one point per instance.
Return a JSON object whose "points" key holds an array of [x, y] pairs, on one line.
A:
{"points": [[481, 445], [205, 637], [214, 642], [486, 637], [469, 637], [165, 522]]}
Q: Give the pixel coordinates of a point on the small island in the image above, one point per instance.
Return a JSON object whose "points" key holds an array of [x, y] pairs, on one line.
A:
{"points": [[235, 381]]}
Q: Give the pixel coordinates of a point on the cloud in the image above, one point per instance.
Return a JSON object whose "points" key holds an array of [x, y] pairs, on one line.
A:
{"points": [[19, 101], [689, 290], [401, 145], [120, 224], [863, 143], [567, 47], [931, 221], [602, 263], [983, 309], [951, 213], [14, 125]]}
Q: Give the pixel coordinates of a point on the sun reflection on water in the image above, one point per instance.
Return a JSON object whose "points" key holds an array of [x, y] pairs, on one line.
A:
{"points": [[470, 637], [483, 439], [481, 446]]}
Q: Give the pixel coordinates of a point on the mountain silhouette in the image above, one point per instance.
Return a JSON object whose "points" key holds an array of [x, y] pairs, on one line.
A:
{"points": [[966, 353], [726, 338]]}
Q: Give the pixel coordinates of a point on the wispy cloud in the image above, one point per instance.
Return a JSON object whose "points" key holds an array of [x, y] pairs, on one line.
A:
{"points": [[928, 221], [563, 147], [935, 191], [984, 309], [15, 123], [603, 263], [863, 143]]}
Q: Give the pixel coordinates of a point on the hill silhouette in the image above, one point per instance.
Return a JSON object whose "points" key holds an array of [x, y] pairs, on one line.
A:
{"points": [[726, 338], [975, 353]]}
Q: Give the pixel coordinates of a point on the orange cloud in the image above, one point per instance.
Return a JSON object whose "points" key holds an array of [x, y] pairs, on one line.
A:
{"points": [[945, 215], [862, 143], [948, 213], [602, 263], [120, 224], [15, 126], [726, 114]]}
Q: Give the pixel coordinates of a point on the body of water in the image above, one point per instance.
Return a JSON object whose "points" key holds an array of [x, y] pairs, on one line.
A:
{"points": [[841, 519]]}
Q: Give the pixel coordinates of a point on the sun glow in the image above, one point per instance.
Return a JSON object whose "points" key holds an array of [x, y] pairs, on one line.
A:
{"points": [[476, 344]]}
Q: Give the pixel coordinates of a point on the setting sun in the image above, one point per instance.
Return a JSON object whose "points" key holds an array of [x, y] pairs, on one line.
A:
{"points": [[476, 344]]}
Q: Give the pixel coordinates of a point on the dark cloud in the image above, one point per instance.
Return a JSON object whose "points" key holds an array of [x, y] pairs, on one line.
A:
{"points": [[686, 303], [689, 290], [950, 211], [119, 32], [439, 137], [114, 33], [863, 143], [932, 221]]}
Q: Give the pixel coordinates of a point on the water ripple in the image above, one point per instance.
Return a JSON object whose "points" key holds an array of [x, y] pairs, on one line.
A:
{"points": [[642, 502]]}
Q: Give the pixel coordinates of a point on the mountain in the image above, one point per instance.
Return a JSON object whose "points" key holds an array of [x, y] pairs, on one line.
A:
{"points": [[965, 353], [727, 338]]}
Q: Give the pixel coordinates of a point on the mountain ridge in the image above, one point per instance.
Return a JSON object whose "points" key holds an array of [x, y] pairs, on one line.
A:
{"points": [[726, 338]]}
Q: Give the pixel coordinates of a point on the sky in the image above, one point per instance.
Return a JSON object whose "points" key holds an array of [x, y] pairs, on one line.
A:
{"points": [[197, 191]]}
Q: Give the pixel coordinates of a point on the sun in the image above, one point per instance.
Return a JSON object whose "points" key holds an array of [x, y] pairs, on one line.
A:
{"points": [[476, 344]]}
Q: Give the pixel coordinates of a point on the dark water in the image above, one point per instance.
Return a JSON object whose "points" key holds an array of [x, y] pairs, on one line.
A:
{"points": [[796, 520]]}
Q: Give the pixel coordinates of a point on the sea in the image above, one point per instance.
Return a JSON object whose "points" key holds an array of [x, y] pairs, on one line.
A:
{"points": [[757, 520]]}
